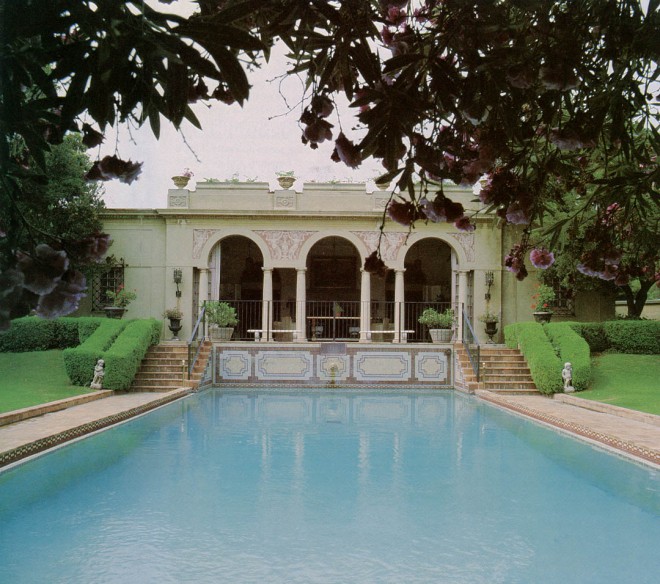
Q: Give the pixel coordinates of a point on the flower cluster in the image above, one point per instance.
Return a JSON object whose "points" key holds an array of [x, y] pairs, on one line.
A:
{"points": [[543, 298], [440, 209], [375, 265], [187, 173], [317, 128], [515, 261], [121, 298], [111, 167], [48, 273]]}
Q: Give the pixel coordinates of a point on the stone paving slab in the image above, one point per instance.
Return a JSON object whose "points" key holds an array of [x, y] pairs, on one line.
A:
{"points": [[633, 437], [36, 434]]}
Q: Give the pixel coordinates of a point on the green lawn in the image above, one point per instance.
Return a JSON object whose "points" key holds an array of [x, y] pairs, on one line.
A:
{"points": [[629, 381], [29, 379]]}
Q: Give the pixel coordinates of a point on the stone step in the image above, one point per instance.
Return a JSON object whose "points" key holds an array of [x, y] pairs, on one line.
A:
{"points": [[505, 370], [514, 391]]}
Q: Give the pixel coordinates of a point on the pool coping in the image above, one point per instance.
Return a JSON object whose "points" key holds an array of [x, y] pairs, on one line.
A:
{"points": [[54, 406], [617, 444], [31, 448]]}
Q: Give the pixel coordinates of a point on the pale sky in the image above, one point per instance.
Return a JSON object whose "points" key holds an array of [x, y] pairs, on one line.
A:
{"points": [[254, 141]]}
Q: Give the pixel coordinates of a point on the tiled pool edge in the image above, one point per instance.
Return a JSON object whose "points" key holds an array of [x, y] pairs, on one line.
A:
{"points": [[49, 407], [32, 448], [628, 448]]}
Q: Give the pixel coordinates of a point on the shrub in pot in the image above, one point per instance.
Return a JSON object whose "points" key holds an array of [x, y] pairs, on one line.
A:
{"points": [[222, 319], [440, 324]]}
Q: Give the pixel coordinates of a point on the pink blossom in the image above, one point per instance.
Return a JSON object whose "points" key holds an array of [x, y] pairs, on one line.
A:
{"points": [[65, 297], [43, 270], [541, 258], [347, 152], [463, 224]]}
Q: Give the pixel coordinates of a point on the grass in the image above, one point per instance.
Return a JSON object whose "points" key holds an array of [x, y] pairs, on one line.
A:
{"points": [[30, 379], [628, 381]]}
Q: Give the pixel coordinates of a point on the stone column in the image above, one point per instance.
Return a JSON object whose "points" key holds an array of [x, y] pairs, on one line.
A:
{"points": [[399, 300], [365, 305], [301, 304], [203, 286], [203, 290], [267, 305], [462, 303]]}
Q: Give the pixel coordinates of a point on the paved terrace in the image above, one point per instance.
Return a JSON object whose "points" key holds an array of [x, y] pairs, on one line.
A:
{"points": [[633, 434]]}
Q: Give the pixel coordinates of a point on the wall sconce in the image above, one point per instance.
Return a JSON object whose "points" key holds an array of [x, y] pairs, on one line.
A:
{"points": [[178, 278], [490, 278]]}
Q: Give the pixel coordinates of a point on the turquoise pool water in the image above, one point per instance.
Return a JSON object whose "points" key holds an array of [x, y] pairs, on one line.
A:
{"points": [[352, 487]]}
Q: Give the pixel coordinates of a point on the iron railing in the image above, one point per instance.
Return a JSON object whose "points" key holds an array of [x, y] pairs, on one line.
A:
{"points": [[471, 344], [195, 340], [331, 320]]}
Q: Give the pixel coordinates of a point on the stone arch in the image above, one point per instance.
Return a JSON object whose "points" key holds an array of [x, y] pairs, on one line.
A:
{"points": [[213, 237], [452, 240], [306, 248]]}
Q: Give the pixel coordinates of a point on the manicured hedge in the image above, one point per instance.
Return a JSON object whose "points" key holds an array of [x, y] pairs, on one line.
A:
{"points": [[593, 333], [80, 361], [640, 337], [123, 358], [32, 333], [572, 349], [534, 344]]}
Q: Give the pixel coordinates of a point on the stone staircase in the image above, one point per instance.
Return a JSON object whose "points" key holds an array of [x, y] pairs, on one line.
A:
{"points": [[503, 371], [165, 367]]}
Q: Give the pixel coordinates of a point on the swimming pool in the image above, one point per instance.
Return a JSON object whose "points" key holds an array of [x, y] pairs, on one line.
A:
{"points": [[312, 487]]}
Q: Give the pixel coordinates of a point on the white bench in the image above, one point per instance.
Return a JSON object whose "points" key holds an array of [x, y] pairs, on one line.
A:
{"points": [[259, 332], [404, 334]]}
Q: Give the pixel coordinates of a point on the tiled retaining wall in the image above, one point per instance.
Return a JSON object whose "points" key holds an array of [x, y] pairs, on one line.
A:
{"points": [[333, 364]]}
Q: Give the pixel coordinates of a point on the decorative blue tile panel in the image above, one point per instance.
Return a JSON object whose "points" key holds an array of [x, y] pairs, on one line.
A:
{"points": [[235, 365], [283, 365], [432, 366], [373, 366], [333, 367]]}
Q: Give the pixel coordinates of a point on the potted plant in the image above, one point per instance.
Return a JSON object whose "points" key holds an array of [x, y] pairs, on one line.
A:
{"points": [[544, 298], [174, 315], [181, 180], [119, 299], [337, 309], [490, 320], [440, 324], [222, 319], [286, 178]]}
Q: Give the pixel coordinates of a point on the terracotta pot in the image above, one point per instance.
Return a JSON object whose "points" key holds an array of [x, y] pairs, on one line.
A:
{"points": [[440, 335], [114, 311], [542, 316], [175, 327], [220, 333], [180, 182], [491, 329], [286, 182]]}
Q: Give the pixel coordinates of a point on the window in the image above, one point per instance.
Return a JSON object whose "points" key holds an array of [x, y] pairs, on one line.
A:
{"points": [[564, 300], [110, 279]]}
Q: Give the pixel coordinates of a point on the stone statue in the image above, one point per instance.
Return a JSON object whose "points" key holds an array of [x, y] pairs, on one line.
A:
{"points": [[567, 376], [99, 372]]}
